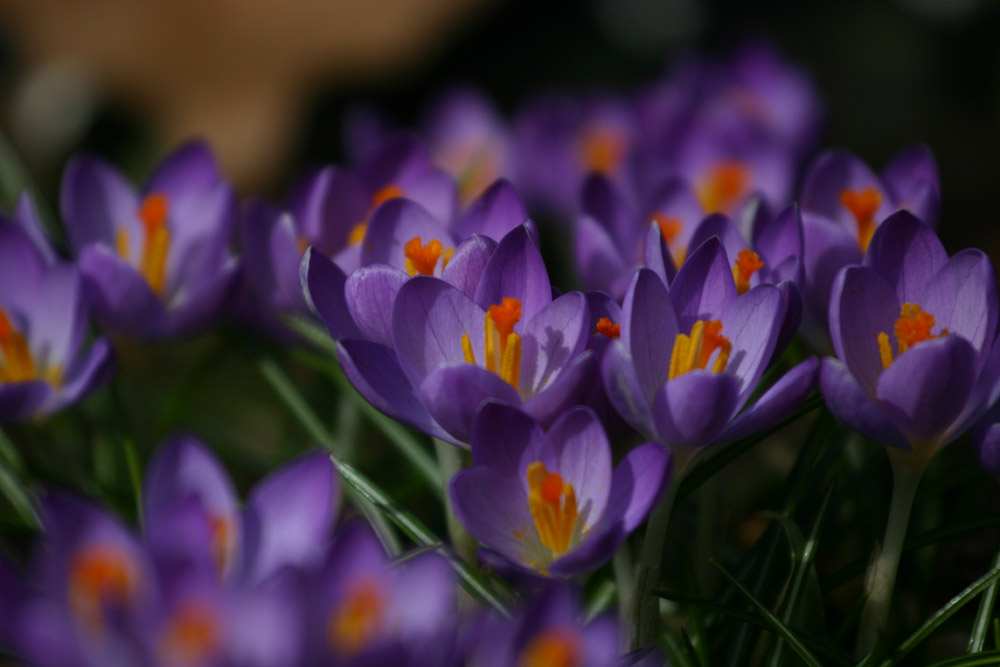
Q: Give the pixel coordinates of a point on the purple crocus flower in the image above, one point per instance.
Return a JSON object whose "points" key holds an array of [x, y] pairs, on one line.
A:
{"points": [[914, 332], [549, 501], [843, 202], [548, 631], [364, 610], [43, 319], [688, 359], [156, 262]]}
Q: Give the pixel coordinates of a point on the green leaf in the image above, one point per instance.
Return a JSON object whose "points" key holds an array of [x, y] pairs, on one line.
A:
{"points": [[988, 658], [18, 496], [135, 475], [773, 621], [600, 601], [981, 626], [412, 527], [942, 615]]}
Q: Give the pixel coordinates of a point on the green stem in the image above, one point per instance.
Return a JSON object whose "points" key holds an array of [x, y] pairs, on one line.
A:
{"points": [[644, 609], [450, 462], [907, 470], [981, 628]]}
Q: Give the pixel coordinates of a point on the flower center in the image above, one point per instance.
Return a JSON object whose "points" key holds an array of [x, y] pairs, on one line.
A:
{"points": [[724, 185], [552, 648], [747, 263], [475, 167], [422, 258], [16, 362], [553, 507], [602, 149], [695, 351], [155, 243], [99, 575], [222, 536], [863, 204], [608, 328], [913, 326], [502, 345], [192, 636], [354, 623]]}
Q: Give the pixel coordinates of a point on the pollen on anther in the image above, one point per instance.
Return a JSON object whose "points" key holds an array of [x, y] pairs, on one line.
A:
{"points": [[608, 328]]}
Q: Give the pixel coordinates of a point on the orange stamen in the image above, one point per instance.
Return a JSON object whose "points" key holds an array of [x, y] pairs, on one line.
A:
{"points": [[357, 234], [99, 575], [913, 326], [153, 262], [863, 205], [222, 537], [355, 622], [551, 648], [422, 258], [505, 315], [695, 351], [602, 150], [16, 362], [552, 502], [608, 328], [724, 186], [192, 636], [747, 263]]}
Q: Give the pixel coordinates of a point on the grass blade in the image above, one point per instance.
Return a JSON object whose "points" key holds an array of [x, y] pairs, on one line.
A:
{"points": [[18, 496], [981, 626], [773, 621], [988, 658], [942, 615]]}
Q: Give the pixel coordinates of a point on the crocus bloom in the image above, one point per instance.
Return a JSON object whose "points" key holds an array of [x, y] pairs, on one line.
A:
{"points": [[549, 501], [914, 334], [156, 262], [43, 319], [843, 202], [549, 630], [688, 359], [364, 610]]}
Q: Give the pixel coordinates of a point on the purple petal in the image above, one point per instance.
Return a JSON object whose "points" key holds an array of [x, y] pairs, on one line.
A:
{"points": [[906, 253], [986, 446], [370, 293], [494, 508], [777, 403], [962, 297], [94, 200], [190, 167], [323, 285], [925, 389], [584, 460], [454, 392], [649, 330], [505, 439], [553, 337], [570, 387], [782, 237], [121, 298], [288, 516], [496, 212], [752, 323], [392, 225], [87, 372], [656, 255], [429, 319], [598, 261], [285, 258], [20, 400], [605, 205], [26, 217], [692, 410], [827, 248], [831, 174], [516, 270], [181, 468], [204, 305], [862, 305], [703, 286], [850, 404], [326, 206], [21, 266], [913, 179], [374, 372], [466, 266], [720, 225], [624, 389]]}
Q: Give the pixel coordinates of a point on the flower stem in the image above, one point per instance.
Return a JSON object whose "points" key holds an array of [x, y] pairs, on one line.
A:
{"points": [[907, 469], [644, 608]]}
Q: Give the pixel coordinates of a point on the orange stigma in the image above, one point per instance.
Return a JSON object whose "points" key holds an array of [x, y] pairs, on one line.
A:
{"points": [[355, 622], [502, 345], [913, 326], [222, 537], [695, 351], [422, 258], [99, 575], [724, 185], [152, 214], [863, 205], [391, 191], [552, 648], [747, 263], [608, 328], [602, 150], [16, 362], [553, 507], [192, 636]]}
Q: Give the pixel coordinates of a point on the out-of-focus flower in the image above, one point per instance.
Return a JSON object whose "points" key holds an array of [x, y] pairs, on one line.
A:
{"points": [[156, 263], [843, 202], [43, 320], [548, 631], [366, 610], [688, 359], [914, 332], [549, 501]]}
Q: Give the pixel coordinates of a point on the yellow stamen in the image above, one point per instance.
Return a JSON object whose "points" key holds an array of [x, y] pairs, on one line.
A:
{"points": [[551, 648], [913, 326], [357, 234], [122, 244], [695, 351], [608, 328], [510, 363], [467, 351], [502, 347], [16, 362], [747, 263], [724, 185], [553, 507], [863, 205], [355, 622], [153, 261]]}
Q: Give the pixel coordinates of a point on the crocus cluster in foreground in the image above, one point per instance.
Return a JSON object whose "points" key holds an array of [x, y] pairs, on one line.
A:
{"points": [[698, 268]]}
